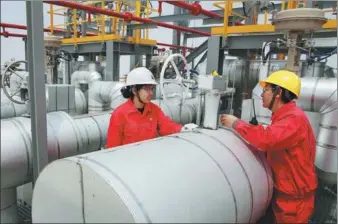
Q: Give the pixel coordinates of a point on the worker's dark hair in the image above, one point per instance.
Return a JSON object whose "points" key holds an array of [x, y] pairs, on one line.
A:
{"points": [[287, 96], [127, 91]]}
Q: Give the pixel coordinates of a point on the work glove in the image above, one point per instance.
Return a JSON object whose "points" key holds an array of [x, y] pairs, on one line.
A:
{"points": [[189, 127]]}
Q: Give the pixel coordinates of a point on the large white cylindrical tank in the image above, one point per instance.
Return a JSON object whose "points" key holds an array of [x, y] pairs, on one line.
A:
{"points": [[205, 177]]}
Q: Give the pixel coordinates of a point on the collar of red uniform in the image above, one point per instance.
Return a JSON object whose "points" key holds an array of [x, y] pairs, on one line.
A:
{"points": [[131, 106], [283, 110]]}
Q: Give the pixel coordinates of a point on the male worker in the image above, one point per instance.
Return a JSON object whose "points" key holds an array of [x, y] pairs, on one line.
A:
{"points": [[289, 143]]}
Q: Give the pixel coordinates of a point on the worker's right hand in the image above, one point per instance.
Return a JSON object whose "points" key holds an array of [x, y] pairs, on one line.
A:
{"points": [[189, 127]]}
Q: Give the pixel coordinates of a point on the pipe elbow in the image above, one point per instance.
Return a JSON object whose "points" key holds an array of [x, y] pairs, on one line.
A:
{"points": [[85, 77]]}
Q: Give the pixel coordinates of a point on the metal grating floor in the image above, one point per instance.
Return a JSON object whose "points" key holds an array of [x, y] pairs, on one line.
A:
{"points": [[24, 212]]}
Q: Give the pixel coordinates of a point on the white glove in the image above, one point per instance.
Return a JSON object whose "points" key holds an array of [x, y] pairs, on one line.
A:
{"points": [[189, 127]]}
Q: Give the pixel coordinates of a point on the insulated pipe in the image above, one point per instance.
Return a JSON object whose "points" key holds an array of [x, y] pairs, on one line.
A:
{"points": [[81, 106], [235, 70], [103, 96], [87, 77], [128, 17], [10, 109], [320, 95], [66, 137], [9, 206], [205, 177]]}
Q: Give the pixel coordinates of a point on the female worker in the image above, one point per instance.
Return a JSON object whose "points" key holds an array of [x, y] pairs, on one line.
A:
{"points": [[290, 146], [139, 119]]}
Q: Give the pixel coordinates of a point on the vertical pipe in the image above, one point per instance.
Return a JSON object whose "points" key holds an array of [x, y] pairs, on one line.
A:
{"points": [[51, 14], [37, 85], [138, 14]]}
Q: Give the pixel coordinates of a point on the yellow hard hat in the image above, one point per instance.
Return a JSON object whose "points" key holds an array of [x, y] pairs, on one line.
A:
{"points": [[286, 79]]}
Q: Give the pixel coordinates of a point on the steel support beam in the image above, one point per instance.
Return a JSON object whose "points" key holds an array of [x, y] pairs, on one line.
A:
{"points": [[124, 48], [112, 63], [194, 54], [215, 55], [37, 93]]}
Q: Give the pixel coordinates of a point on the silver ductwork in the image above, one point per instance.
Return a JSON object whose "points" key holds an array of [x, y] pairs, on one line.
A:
{"points": [[10, 109], [318, 98], [320, 95], [67, 136], [85, 77], [81, 106], [205, 177], [235, 70], [104, 95]]}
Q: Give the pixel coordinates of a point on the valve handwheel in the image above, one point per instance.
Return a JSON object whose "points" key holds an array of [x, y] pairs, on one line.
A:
{"points": [[12, 69], [179, 79]]}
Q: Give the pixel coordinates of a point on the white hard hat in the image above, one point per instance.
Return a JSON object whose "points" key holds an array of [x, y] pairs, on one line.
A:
{"points": [[139, 76]]}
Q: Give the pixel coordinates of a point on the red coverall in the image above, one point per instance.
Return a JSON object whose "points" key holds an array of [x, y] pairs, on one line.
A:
{"points": [[290, 147], [128, 125]]}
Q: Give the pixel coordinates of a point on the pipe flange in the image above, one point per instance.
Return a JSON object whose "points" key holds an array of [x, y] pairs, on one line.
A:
{"points": [[128, 17], [300, 19], [196, 10]]}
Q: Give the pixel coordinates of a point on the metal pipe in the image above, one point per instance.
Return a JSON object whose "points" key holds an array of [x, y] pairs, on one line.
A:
{"points": [[103, 96], [8, 206], [127, 16], [67, 136], [85, 77], [10, 109], [194, 8], [209, 176], [23, 27], [8, 34], [174, 46]]}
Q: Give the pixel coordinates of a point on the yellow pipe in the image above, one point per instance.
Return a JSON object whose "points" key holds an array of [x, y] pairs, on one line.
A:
{"points": [[265, 16], [74, 25], [226, 18], [138, 14], [51, 17], [147, 11], [283, 5]]}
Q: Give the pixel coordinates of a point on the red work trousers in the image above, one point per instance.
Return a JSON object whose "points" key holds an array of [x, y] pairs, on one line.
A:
{"points": [[289, 209]]}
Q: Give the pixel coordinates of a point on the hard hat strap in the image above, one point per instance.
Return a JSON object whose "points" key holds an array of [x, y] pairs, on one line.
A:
{"points": [[274, 97]]}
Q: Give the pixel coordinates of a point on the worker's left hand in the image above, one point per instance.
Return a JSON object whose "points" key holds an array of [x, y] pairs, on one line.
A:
{"points": [[189, 127], [228, 120]]}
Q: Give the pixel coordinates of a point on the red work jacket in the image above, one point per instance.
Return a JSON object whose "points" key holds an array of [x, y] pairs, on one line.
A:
{"points": [[128, 125], [290, 146]]}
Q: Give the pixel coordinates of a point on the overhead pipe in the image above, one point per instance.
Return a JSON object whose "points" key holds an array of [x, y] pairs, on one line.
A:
{"points": [[8, 34], [195, 8], [127, 16], [23, 27], [207, 176], [174, 46]]}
